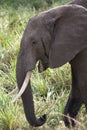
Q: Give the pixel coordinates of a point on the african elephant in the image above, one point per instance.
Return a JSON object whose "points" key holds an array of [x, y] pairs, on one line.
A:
{"points": [[54, 37]]}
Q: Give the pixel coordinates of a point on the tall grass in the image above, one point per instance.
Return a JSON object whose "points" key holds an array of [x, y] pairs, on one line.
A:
{"points": [[50, 89], [10, 115]]}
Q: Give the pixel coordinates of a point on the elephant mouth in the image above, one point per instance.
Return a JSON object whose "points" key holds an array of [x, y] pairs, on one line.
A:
{"points": [[42, 66]]}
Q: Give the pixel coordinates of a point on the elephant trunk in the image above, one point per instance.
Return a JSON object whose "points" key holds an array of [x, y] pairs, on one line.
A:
{"points": [[28, 104], [27, 96]]}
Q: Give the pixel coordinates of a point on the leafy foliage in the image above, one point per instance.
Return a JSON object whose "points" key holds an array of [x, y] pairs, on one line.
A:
{"points": [[37, 4]]}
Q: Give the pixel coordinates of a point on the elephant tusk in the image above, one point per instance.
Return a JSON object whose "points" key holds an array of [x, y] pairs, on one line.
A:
{"points": [[24, 86]]}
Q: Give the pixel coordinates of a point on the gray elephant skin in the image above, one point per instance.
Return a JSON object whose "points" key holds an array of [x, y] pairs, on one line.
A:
{"points": [[55, 37]]}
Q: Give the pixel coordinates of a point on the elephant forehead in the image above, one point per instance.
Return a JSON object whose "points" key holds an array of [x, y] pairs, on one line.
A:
{"points": [[34, 29], [35, 22], [34, 35]]}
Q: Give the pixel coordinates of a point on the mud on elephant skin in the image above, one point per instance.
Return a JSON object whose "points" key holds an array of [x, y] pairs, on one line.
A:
{"points": [[54, 37]]}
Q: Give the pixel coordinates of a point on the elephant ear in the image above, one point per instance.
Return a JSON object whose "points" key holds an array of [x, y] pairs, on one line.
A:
{"points": [[69, 34]]}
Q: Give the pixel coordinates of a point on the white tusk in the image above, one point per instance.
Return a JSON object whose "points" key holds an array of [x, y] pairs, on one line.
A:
{"points": [[13, 91], [24, 86]]}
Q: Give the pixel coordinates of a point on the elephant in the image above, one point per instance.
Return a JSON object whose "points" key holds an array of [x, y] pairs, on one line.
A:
{"points": [[53, 38]]}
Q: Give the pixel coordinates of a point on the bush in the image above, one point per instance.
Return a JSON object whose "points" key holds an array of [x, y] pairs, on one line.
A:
{"points": [[37, 4]]}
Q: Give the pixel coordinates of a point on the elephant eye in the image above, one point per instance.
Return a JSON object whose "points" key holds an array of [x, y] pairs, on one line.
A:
{"points": [[33, 42]]}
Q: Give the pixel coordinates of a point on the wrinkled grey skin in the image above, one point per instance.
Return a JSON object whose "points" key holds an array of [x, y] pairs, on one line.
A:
{"points": [[55, 37]]}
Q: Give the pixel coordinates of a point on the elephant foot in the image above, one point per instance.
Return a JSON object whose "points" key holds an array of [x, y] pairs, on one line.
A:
{"points": [[69, 121]]}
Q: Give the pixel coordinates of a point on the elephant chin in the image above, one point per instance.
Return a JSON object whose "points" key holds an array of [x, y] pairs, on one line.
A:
{"points": [[42, 66]]}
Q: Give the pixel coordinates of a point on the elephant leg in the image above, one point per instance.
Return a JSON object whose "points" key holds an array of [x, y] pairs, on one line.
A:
{"points": [[83, 90], [71, 109], [73, 104]]}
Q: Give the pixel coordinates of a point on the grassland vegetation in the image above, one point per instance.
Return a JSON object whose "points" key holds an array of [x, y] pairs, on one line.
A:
{"points": [[50, 89]]}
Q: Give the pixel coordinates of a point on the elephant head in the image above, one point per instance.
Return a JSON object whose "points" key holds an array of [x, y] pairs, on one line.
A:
{"points": [[53, 38]]}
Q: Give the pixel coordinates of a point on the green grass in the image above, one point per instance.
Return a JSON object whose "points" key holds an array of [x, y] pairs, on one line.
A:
{"points": [[51, 88]]}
